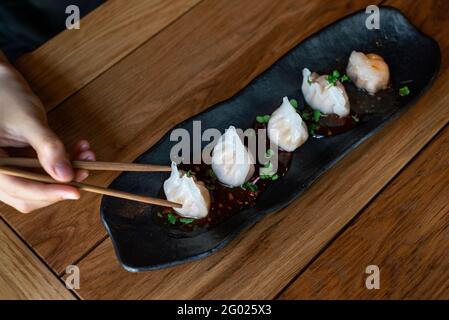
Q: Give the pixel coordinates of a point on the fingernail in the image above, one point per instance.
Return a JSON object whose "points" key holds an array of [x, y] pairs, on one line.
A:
{"points": [[63, 170], [70, 196], [85, 146]]}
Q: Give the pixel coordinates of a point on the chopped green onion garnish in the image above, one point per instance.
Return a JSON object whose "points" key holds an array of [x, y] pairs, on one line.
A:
{"points": [[190, 173], [316, 115], [263, 119], [335, 76], [250, 186], [305, 116], [312, 128], [268, 165], [355, 118], [294, 103], [171, 218], [269, 153], [344, 78], [186, 220], [404, 91], [309, 81]]}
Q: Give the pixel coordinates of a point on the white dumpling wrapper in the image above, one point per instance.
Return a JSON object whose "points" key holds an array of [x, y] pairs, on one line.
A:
{"points": [[193, 196], [322, 96], [231, 162], [368, 71], [286, 128]]}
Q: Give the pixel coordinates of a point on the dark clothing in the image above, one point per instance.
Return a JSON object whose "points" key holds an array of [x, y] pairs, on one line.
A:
{"points": [[27, 24]]}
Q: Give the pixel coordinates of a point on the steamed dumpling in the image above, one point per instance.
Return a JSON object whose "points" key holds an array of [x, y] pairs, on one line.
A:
{"points": [[193, 195], [231, 162], [368, 71], [323, 96], [286, 128]]}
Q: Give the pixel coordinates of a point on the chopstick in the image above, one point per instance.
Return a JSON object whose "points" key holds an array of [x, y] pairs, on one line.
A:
{"points": [[88, 165], [89, 188]]}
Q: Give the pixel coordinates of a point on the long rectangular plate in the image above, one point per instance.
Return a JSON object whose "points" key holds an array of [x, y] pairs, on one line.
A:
{"points": [[414, 59]]}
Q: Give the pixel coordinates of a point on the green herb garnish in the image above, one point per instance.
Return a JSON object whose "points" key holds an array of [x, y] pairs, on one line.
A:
{"points": [[316, 115], [263, 119], [355, 118], [268, 165], [309, 81], [190, 173], [305, 116], [335, 76], [186, 220], [274, 177], [404, 91], [269, 153], [313, 127], [294, 103], [344, 78], [250, 186], [172, 218]]}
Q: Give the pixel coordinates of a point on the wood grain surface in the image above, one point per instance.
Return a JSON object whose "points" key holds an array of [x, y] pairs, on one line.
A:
{"points": [[129, 107], [204, 57], [404, 231], [74, 58], [259, 263], [23, 275]]}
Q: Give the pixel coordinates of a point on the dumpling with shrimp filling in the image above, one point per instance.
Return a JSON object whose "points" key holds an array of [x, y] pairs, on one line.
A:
{"points": [[286, 128], [368, 71], [232, 163], [323, 95], [192, 194]]}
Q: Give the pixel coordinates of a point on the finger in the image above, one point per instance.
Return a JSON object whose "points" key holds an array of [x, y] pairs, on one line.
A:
{"points": [[24, 206], [84, 155], [80, 146], [35, 191], [81, 175], [88, 155], [51, 152]]}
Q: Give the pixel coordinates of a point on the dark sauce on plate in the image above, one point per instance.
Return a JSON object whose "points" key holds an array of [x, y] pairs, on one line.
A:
{"points": [[227, 201], [330, 124]]}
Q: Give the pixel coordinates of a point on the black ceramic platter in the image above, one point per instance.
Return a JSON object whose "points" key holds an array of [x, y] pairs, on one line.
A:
{"points": [[143, 244]]}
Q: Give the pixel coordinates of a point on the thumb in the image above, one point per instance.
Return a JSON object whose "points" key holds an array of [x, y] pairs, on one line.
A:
{"points": [[51, 152]]}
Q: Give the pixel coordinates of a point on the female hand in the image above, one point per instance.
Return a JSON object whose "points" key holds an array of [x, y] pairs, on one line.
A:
{"points": [[23, 123]]}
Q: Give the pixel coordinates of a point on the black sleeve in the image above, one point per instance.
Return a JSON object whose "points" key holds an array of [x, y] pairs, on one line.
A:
{"points": [[27, 24]]}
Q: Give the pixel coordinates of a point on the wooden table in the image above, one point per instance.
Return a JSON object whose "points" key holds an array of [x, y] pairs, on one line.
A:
{"points": [[136, 68]]}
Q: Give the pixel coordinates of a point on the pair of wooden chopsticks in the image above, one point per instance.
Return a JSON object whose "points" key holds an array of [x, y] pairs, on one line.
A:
{"points": [[88, 165]]}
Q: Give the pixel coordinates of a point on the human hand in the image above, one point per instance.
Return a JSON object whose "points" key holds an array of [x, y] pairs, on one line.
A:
{"points": [[23, 123]]}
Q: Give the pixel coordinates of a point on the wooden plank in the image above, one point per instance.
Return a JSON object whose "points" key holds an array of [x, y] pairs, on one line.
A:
{"points": [[73, 58], [202, 58], [431, 284], [259, 263], [23, 275], [404, 231]]}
